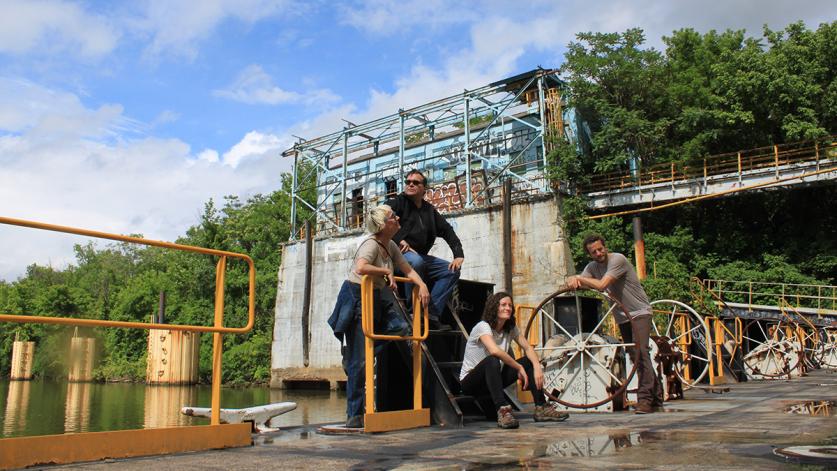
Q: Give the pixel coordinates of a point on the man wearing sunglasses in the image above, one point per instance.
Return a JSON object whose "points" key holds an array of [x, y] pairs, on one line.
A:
{"points": [[421, 223]]}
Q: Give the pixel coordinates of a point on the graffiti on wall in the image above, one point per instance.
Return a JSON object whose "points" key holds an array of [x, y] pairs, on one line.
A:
{"points": [[450, 196]]}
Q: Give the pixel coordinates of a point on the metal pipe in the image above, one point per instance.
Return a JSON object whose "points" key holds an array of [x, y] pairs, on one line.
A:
{"points": [[343, 215], [507, 236], [293, 196], [541, 109], [639, 248], [401, 145], [467, 151], [306, 296]]}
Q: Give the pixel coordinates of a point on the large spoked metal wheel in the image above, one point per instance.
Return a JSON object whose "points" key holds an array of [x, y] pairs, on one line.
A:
{"points": [[770, 352], [582, 370], [828, 347], [812, 346], [688, 336]]}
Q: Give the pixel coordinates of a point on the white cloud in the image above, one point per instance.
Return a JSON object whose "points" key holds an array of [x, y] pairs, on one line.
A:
{"points": [[254, 86], [53, 27], [255, 145], [110, 181], [392, 16], [178, 26]]}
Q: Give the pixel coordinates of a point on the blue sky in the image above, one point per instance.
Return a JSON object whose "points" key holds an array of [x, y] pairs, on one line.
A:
{"points": [[127, 117]]}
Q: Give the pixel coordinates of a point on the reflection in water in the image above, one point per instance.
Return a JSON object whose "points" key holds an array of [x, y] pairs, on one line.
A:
{"points": [[163, 403], [77, 409], [60, 407], [820, 408], [17, 403], [591, 446]]}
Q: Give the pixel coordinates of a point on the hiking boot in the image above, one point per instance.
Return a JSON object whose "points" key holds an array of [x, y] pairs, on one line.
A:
{"points": [[548, 413], [643, 408], [355, 422], [505, 419]]}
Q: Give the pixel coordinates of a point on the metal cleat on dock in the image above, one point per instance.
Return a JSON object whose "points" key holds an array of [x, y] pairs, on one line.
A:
{"points": [[260, 416]]}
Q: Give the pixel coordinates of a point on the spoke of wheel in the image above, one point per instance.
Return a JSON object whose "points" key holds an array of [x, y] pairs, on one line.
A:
{"points": [[766, 337], [610, 345], [583, 372], [571, 336], [752, 340], [604, 368], [685, 333], [566, 363], [671, 320], [604, 317], [705, 360]]}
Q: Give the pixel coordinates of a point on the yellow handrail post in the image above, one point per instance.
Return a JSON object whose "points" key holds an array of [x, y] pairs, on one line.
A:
{"points": [[392, 420], [417, 399], [217, 340]]}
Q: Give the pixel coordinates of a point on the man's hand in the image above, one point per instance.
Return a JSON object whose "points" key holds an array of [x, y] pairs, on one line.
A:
{"points": [[456, 264], [405, 247], [574, 282]]}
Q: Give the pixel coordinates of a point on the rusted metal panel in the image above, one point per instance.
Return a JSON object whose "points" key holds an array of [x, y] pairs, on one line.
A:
{"points": [[23, 355], [82, 356], [173, 357]]}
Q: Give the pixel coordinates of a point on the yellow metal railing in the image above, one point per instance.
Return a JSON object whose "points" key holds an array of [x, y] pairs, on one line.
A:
{"points": [[820, 297], [217, 329], [822, 153], [392, 420]]}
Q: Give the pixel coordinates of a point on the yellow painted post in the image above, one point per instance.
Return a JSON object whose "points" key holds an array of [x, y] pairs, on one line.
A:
{"points": [[776, 159], [417, 399], [369, 349], [217, 341]]}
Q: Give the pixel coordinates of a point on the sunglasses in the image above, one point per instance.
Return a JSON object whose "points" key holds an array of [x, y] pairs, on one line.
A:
{"points": [[413, 182]]}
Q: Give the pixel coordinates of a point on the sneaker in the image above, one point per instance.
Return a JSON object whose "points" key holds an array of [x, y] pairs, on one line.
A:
{"points": [[548, 413], [355, 422], [505, 419], [643, 408]]}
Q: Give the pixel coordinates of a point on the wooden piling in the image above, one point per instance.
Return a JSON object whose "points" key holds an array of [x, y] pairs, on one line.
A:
{"points": [[82, 354], [23, 355], [173, 357]]}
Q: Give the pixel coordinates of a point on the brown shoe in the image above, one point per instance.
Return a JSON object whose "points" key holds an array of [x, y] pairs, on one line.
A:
{"points": [[505, 419], [548, 413], [643, 408]]}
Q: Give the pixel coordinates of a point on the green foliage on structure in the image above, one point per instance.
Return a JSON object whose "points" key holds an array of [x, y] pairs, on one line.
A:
{"points": [[123, 281], [705, 94]]}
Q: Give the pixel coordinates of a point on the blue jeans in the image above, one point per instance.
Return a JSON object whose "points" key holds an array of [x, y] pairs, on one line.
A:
{"points": [[439, 278], [387, 320]]}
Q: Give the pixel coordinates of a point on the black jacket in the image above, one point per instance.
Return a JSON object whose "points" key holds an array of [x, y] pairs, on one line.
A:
{"points": [[421, 226]]}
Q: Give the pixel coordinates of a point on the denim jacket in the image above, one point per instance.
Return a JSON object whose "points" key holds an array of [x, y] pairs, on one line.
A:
{"points": [[346, 309]]}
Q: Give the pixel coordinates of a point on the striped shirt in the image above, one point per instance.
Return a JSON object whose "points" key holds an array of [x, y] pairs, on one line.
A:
{"points": [[475, 351]]}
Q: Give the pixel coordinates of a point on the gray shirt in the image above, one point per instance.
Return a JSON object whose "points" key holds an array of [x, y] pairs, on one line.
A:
{"points": [[625, 286], [371, 251], [475, 351]]}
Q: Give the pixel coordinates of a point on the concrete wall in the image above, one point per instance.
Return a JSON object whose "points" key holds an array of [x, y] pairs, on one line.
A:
{"points": [[540, 255]]}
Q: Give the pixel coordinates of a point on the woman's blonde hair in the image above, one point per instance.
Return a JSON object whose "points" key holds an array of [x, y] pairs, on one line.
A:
{"points": [[377, 218]]}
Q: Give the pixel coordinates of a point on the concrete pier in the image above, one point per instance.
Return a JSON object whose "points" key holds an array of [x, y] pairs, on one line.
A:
{"points": [[738, 429]]}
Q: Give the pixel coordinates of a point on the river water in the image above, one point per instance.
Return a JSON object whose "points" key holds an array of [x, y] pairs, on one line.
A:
{"points": [[44, 407]]}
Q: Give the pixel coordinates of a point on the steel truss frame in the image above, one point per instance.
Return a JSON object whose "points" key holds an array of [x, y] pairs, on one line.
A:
{"points": [[493, 105]]}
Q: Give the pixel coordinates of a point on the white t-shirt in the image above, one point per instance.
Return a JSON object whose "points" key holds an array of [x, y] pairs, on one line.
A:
{"points": [[475, 351]]}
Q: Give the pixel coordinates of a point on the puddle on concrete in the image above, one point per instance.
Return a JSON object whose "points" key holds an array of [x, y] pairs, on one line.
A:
{"points": [[591, 446], [816, 408]]}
